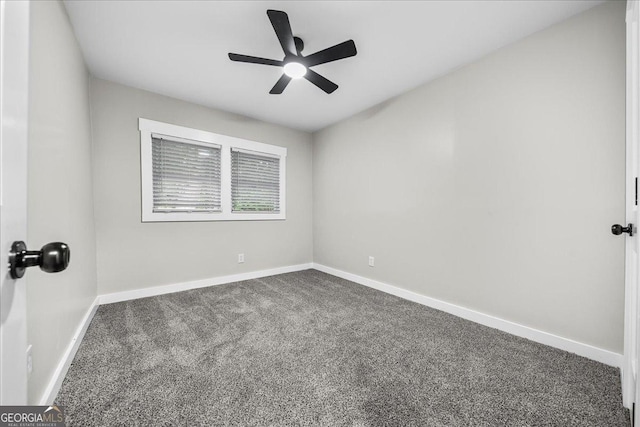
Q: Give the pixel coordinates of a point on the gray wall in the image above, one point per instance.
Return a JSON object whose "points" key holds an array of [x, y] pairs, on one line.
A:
{"points": [[60, 203], [134, 255], [493, 187]]}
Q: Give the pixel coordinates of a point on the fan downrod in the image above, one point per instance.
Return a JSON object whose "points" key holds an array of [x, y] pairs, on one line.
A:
{"points": [[299, 44]]}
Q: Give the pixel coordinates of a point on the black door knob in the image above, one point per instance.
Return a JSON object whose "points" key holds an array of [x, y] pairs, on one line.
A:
{"points": [[617, 229], [52, 258]]}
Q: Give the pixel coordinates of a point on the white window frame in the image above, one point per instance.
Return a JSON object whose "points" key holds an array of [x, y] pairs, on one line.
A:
{"points": [[150, 127]]}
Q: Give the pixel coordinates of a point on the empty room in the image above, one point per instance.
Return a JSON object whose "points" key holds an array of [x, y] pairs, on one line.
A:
{"points": [[319, 213]]}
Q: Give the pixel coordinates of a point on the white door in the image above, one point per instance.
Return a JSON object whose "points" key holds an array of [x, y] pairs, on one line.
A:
{"points": [[14, 57], [631, 390], [630, 383]]}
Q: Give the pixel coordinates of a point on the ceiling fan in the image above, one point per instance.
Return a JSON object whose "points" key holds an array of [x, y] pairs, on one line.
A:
{"points": [[295, 64]]}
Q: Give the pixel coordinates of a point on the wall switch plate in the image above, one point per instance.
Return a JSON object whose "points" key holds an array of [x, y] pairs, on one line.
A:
{"points": [[240, 258], [372, 261], [29, 359]]}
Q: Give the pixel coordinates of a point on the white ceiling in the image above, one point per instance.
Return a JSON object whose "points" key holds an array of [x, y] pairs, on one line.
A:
{"points": [[179, 48]]}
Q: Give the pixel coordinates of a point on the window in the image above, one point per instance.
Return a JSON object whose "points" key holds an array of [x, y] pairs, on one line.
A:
{"points": [[255, 182], [193, 175], [186, 176]]}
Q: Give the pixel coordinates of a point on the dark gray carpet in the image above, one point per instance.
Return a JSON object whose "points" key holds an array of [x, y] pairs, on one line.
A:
{"points": [[308, 348]]}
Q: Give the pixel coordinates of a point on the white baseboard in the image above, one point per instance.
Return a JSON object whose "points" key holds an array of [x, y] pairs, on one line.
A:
{"points": [[185, 286], [53, 387], [598, 354]]}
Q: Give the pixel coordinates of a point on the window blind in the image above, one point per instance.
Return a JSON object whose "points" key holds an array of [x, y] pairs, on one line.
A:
{"points": [[255, 182], [186, 177]]}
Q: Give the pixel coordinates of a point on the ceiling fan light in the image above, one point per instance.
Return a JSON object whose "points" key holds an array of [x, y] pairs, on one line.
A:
{"points": [[295, 70]]}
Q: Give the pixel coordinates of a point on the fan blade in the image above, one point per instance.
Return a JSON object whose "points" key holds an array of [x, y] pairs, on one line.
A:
{"points": [[280, 85], [324, 84], [254, 59], [333, 53], [282, 27]]}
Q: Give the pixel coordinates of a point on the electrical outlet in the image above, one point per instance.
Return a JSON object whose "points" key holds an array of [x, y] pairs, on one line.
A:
{"points": [[29, 359], [240, 258], [372, 261]]}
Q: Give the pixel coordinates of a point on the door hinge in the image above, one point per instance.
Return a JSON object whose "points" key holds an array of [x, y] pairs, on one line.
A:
{"points": [[636, 191]]}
